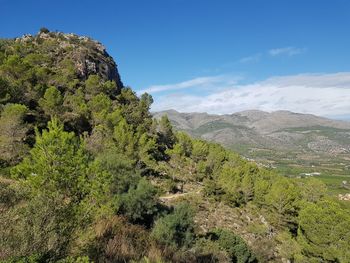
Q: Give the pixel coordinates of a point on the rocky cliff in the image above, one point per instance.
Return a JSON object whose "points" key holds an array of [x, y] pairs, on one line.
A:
{"points": [[89, 56]]}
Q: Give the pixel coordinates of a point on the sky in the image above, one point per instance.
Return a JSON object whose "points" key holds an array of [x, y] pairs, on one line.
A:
{"points": [[218, 56]]}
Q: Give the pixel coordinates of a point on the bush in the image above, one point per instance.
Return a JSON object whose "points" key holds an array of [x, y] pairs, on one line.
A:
{"points": [[44, 30], [34, 258], [176, 229], [234, 245], [209, 251], [140, 203]]}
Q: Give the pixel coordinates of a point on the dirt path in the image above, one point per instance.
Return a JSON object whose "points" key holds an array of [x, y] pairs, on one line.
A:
{"points": [[168, 197]]}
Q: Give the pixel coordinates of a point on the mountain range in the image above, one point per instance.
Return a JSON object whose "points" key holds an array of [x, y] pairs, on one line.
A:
{"points": [[292, 142]]}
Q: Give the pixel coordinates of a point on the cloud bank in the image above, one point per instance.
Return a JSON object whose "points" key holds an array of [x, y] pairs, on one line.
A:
{"points": [[319, 94]]}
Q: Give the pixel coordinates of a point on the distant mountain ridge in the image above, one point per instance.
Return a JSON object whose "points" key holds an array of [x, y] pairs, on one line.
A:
{"points": [[260, 120], [272, 137]]}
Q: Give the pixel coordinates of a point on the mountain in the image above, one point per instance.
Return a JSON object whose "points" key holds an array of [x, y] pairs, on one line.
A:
{"points": [[303, 141], [88, 175]]}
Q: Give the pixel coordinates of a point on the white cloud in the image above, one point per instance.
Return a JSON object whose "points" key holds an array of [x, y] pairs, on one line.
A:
{"points": [[201, 82], [288, 51], [251, 59], [319, 94]]}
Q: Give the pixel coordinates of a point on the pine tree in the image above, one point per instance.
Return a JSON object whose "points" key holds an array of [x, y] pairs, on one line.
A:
{"points": [[125, 139], [324, 232], [52, 101], [166, 136], [56, 164], [55, 179], [12, 133]]}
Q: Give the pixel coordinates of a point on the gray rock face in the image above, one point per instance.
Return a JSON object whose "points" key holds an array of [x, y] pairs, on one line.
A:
{"points": [[89, 56], [97, 63], [93, 58]]}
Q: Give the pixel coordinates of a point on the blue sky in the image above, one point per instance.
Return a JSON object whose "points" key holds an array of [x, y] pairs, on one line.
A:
{"points": [[189, 52]]}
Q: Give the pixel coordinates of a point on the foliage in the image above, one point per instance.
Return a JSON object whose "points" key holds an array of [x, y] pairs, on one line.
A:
{"points": [[323, 232], [55, 179], [175, 229], [183, 146], [88, 162], [283, 197], [288, 246], [44, 30], [57, 164], [51, 103], [234, 245], [166, 135], [140, 204], [13, 130]]}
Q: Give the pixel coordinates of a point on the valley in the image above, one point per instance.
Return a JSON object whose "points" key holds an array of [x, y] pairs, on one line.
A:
{"points": [[295, 145]]}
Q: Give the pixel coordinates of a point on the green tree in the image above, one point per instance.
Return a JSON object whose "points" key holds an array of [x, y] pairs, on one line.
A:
{"points": [[234, 245], [8, 92], [52, 101], [77, 114], [76, 103], [200, 150], [175, 229], [123, 174], [312, 189], [262, 187], [100, 106], [55, 178], [288, 247], [148, 150], [165, 133], [247, 186], [93, 85], [139, 204], [142, 113], [215, 159], [13, 131], [44, 30], [183, 145], [284, 198], [323, 232], [57, 163], [125, 139], [230, 182]]}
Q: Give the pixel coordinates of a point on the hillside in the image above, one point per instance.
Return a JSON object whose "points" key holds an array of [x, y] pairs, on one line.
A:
{"points": [[88, 175], [295, 143]]}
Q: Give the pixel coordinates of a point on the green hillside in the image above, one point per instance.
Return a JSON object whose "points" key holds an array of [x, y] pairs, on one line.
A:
{"points": [[87, 175]]}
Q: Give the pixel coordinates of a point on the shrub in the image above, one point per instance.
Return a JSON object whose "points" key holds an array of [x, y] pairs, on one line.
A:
{"points": [[44, 30], [140, 203], [234, 245], [176, 229]]}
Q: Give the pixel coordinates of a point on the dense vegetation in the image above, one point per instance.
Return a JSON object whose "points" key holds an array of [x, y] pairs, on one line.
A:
{"points": [[85, 169]]}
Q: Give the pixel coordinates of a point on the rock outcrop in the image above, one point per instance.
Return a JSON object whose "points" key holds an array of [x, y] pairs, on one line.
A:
{"points": [[89, 56]]}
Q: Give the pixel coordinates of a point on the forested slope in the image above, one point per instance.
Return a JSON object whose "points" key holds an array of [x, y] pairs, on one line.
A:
{"points": [[88, 175]]}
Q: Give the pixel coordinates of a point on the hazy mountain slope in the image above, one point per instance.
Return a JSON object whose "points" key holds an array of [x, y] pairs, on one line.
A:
{"points": [[279, 137]]}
